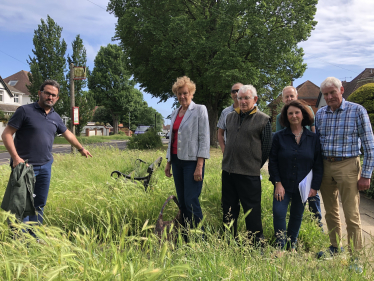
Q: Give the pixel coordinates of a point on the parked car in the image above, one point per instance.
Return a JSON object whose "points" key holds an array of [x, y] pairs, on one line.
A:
{"points": [[141, 129], [161, 134]]}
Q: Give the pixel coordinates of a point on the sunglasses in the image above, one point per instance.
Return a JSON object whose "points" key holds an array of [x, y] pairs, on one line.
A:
{"points": [[234, 91]]}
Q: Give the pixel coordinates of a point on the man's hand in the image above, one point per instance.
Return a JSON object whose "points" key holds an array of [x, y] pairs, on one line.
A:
{"points": [[17, 161], [85, 152], [167, 170], [363, 184]]}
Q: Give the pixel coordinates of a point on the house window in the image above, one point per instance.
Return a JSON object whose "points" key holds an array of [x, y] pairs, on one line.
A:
{"points": [[16, 98], [1, 95], [13, 82]]}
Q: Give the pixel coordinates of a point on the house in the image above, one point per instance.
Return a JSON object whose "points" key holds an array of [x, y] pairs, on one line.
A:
{"points": [[92, 129], [165, 129], [365, 77], [19, 81], [307, 91], [9, 101]]}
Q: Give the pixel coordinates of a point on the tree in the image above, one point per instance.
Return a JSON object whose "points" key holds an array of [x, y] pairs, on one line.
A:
{"points": [[145, 115], [364, 95], [102, 115], [83, 99], [110, 83], [49, 62], [215, 43]]}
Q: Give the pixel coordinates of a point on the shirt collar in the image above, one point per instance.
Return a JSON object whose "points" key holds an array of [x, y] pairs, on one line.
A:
{"points": [[253, 111], [341, 107], [36, 105]]}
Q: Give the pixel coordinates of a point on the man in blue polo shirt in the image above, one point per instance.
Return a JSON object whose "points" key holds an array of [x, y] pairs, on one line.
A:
{"points": [[36, 125]]}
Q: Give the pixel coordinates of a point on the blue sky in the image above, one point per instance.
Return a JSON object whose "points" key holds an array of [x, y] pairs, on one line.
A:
{"points": [[342, 44]]}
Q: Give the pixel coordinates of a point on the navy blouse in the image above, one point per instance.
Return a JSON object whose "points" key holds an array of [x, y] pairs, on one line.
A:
{"points": [[289, 162]]}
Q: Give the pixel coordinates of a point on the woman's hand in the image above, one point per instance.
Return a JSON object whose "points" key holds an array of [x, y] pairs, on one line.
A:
{"points": [[279, 191], [312, 193], [167, 170], [198, 175]]}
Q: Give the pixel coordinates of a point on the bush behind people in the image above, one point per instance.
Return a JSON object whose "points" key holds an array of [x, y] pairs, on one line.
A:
{"points": [[148, 140]]}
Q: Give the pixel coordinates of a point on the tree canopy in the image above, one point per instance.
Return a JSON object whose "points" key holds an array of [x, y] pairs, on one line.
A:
{"points": [[49, 62], [111, 85], [364, 95], [215, 43]]}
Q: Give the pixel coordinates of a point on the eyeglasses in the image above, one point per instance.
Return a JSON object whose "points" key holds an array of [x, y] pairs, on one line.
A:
{"points": [[245, 98], [48, 94], [234, 91]]}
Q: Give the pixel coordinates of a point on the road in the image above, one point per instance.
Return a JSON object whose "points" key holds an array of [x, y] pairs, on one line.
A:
{"points": [[65, 148]]}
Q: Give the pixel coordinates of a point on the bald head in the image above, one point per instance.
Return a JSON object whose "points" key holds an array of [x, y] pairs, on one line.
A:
{"points": [[289, 94]]}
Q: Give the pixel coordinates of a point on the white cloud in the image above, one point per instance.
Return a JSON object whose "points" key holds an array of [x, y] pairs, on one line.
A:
{"points": [[343, 34]]}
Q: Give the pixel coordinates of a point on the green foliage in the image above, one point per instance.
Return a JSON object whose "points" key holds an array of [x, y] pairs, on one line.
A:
{"points": [[98, 228], [365, 96], [149, 140], [143, 114], [215, 43], [49, 62], [111, 85], [102, 115], [83, 99]]}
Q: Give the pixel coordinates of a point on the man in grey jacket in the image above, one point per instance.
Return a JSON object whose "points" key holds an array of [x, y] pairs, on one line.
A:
{"points": [[247, 148]]}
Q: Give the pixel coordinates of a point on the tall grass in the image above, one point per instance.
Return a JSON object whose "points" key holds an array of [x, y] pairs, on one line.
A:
{"points": [[92, 139], [98, 228]]}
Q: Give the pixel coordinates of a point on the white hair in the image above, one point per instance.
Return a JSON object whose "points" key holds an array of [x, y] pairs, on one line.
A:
{"points": [[331, 82], [290, 87], [244, 89]]}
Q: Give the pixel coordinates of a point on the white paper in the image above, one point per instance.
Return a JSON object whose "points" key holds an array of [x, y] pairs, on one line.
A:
{"points": [[305, 185]]}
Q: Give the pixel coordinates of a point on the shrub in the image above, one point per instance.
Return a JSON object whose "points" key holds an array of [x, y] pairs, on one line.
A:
{"points": [[365, 96], [148, 140]]}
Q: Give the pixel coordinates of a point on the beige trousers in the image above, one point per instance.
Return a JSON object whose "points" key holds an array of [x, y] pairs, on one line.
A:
{"points": [[341, 177]]}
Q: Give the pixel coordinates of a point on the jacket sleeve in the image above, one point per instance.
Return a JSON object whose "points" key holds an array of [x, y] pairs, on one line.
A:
{"points": [[273, 160], [203, 133], [266, 138], [168, 151], [317, 166]]}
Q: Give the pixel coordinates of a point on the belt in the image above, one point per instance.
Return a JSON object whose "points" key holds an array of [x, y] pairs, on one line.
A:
{"points": [[335, 159]]}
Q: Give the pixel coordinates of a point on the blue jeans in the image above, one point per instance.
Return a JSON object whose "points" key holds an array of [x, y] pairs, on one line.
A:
{"points": [[188, 190], [279, 219], [315, 207], [43, 177]]}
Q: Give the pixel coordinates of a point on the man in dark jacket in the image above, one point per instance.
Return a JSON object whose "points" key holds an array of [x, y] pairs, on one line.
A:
{"points": [[247, 148], [36, 125]]}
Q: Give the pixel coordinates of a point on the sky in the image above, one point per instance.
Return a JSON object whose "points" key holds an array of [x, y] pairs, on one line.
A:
{"points": [[341, 45]]}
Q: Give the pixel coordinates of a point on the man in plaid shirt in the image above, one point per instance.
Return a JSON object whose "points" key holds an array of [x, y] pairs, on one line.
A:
{"points": [[342, 127]]}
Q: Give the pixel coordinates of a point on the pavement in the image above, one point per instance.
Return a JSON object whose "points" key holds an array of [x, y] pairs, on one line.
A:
{"points": [[367, 220]]}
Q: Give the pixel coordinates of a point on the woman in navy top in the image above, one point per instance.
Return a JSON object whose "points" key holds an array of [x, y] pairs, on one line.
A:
{"points": [[294, 153]]}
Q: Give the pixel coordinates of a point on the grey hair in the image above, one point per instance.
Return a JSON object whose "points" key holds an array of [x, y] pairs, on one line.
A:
{"points": [[290, 87], [50, 83], [331, 81], [246, 88]]}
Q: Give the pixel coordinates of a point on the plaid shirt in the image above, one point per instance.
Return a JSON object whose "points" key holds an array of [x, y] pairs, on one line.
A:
{"points": [[341, 133]]}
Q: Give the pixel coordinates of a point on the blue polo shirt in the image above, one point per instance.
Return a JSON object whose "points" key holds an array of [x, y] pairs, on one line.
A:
{"points": [[36, 132]]}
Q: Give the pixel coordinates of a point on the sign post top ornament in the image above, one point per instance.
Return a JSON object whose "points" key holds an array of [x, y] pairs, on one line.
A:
{"points": [[79, 72]]}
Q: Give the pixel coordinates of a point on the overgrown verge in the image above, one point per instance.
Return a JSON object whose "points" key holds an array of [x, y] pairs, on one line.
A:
{"points": [[98, 228]]}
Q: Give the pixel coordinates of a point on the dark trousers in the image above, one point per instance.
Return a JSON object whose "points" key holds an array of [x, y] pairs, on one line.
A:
{"points": [[294, 223], [43, 177], [188, 190], [315, 208], [247, 190]]}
